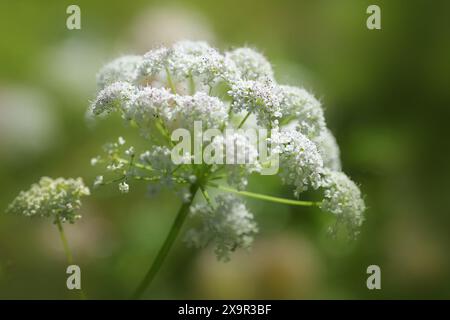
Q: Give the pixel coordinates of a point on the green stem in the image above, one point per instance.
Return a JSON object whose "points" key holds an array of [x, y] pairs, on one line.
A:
{"points": [[205, 195], [136, 164], [245, 119], [162, 254], [170, 82], [67, 251], [64, 242], [265, 197], [191, 84], [224, 123]]}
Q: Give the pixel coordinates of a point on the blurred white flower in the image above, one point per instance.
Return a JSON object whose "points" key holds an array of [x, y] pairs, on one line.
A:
{"points": [[328, 149], [69, 66], [57, 198], [165, 25], [281, 266], [27, 125], [121, 69]]}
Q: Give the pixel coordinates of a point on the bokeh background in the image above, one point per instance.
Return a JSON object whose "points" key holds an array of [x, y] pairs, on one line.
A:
{"points": [[387, 98]]}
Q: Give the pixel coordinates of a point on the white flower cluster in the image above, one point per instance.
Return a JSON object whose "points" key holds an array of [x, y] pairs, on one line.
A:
{"points": [[170, 88], [250, 64], [302, 106], [300, 161], [342, 197], [229, 225], [241, 157], [328, 149], [122, 69], [56, 198], [186, 63], [123, 165], [259, 97]]}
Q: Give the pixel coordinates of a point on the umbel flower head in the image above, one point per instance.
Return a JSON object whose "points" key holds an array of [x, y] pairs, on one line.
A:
{"points": [[228, 225], [58, 199], [173, 87]]}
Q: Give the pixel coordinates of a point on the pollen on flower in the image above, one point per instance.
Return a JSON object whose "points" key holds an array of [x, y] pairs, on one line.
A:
{"points": [[56, 198]]}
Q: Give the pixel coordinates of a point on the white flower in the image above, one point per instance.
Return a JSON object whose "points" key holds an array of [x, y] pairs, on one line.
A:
{"points": [[251, 64], [240, 156], [130, 151], [121, 69], [124, 187], [186, 60], [57, 198], [173, 87], [328, 149], [116, 96], [300, 162], [98, 181], [302, 106], [199, 107], [94, 161], [260, 97], [149, 105], [342, 198], [229, 225], [159, 159], [121, 141], [154, 62], [198, 59]]}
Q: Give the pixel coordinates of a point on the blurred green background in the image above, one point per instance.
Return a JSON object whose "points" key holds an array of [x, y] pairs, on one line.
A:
{"points": [[386, 95]]}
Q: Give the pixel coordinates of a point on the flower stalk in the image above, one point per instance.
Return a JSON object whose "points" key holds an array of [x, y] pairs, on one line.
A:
{"points": [[265, 197], [64, 242], [67, 250], [168, 242]]}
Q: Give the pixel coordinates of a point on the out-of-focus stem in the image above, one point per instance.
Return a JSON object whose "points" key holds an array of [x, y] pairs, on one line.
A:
{"points": [[67, 251]]}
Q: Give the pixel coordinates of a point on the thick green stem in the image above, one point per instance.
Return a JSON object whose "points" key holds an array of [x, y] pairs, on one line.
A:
{"points": [[265, 197], [162, 254]]}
